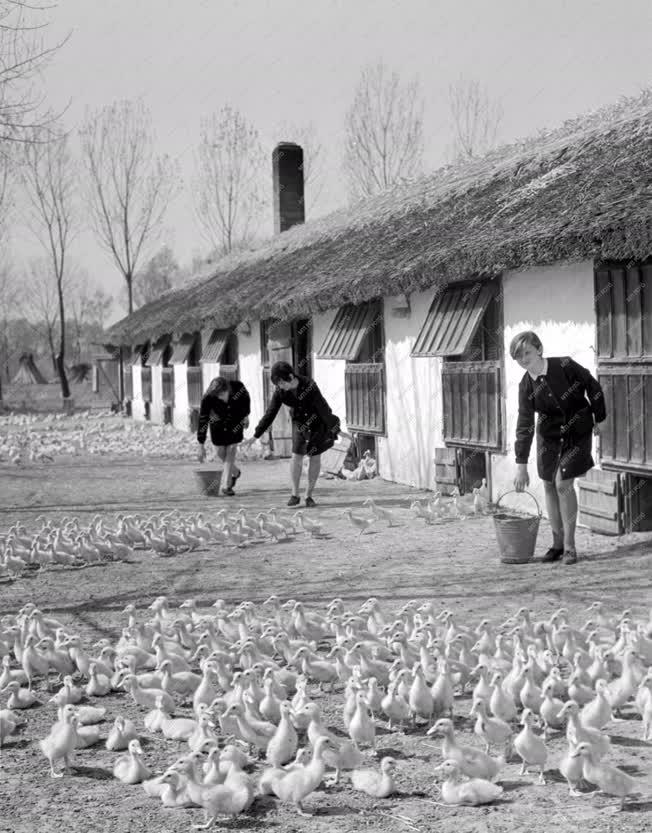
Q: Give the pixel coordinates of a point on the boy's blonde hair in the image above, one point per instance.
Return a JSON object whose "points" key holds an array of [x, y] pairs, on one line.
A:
{"points": [[524, 339]]}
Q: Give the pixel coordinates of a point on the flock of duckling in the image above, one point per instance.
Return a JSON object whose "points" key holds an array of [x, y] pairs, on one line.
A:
{"points": [[40, 439], [69, 543], [250, 674]]}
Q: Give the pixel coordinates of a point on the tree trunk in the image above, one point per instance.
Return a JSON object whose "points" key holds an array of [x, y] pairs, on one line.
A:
{"points": [[130, 291], [61, 368]]}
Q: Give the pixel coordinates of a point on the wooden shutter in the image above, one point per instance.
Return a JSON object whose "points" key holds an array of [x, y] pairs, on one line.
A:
{"points": [[600, 504], [446, 471]]}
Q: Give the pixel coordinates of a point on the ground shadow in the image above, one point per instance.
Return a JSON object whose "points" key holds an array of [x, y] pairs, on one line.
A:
{"points": [[97, 773], [618, 740], [508, 786]]}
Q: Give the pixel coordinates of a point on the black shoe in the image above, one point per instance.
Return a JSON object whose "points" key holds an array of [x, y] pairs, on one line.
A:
{"points": [[570, 557], [310, 502], [294, 501], [233, 478], [229, 492], [553, 554]]}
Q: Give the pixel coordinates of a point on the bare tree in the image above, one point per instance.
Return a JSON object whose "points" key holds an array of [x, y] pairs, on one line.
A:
{"points": [[129, 187], [161, 273], [475, 117], [384, 132], [23, 54], [228, 188], [38, 305], [313, 159], [100, 306], [50, 181], [10, 291]]}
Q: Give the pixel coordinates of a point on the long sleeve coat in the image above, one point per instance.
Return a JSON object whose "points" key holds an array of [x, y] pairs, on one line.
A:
{"points": [[568, 401], [226, 419], [311, 414]]}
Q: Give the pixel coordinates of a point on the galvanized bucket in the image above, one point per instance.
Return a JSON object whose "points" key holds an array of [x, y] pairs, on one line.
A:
{"points": [[209, 481], [516, 536]]}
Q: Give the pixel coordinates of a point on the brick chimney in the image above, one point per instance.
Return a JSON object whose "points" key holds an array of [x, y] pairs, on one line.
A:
{"points": [[287, 172]]}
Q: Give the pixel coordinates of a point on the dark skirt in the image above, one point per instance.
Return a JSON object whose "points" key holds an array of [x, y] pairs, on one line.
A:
{"points": [[224, 433], [311, 443], [572, 454]]}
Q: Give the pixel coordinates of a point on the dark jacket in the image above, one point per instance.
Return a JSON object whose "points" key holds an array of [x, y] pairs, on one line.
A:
{"points": [[311, 413], [568, 401], [225, 418]]}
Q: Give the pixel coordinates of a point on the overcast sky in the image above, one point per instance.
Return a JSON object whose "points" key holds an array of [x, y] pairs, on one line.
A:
{"points": [[299, 61]]}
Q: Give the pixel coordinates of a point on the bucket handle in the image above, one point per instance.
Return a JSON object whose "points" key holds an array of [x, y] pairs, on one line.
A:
{"points": [[524, 492]]}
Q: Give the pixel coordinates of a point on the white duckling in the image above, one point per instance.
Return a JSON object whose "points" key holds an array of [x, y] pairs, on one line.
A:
{"points": [[492, 730], [89, 715], [622, 689], [420, 698], [442, 690], [500, 702], [9, 674], [147, 696], [483, 689], [232, 797], [270, 705], [171, 789], [576, 733], [550, 711], [395, 707], [530, 747], [176, 728], [455, 789], [644, 706], [362, 728], [98, 684], [284, 742], [597, 713], [609, 779], [130, 769], [61, 742], [376, 784], [579, 691], [20, 698], [380, 512], [344, 756], [9, 723], [475, 763], [268, 775], [122, 731], [530, 695], [298, 784]]}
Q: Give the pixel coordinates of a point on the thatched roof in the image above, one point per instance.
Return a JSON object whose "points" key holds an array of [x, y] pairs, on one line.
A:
{"points": [[583, 190]]}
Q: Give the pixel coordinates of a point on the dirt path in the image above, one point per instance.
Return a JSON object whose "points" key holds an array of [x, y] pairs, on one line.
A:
{"points": [[454, 564]]}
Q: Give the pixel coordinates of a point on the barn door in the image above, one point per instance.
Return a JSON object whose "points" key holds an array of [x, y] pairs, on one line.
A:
{"points": [[446, 470], [280, 350], [601, 504]]}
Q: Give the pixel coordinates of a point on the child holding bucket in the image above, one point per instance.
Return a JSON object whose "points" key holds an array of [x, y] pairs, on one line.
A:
{"points": [[570, 404], [225, 407]]}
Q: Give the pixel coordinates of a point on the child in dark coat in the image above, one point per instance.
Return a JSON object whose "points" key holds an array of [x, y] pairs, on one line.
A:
{"points": [[225, 407]]}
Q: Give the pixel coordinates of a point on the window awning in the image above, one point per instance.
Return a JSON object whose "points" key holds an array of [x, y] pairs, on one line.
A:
{"points": [[452, 320], [181, 348], [215, 346], [140, 350], [156, 356], [347, 332]]}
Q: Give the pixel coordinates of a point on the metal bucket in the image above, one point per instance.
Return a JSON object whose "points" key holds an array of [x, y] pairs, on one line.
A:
{"points": [[516, 536], [208, 481]]}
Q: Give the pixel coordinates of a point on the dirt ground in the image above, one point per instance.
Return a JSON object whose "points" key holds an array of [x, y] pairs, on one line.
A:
{"points": [[455, 564]]}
